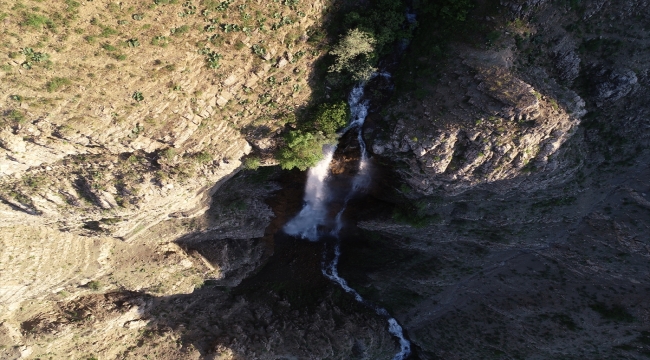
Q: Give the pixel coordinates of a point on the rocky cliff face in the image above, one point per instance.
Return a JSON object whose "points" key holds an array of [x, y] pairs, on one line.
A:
{"points": [[483, 125], [116, 116], [523, 232], [496, 115]]}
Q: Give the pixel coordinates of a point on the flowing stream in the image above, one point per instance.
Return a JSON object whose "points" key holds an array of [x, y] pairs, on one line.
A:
{"points": [[313, 218]]}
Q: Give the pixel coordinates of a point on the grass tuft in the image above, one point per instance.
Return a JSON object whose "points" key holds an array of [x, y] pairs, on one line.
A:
{"points": [[56, 83]]}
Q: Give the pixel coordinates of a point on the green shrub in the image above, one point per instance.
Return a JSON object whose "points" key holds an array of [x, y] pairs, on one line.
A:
{"points": [[355, 54], [16, 116], [168, 154], [302, 150], [252, 163], [108, 47], [56, 83], [316, 36], [36, 21], [94, 285], [331, 117], [34, 182], [212, 58], [137, 96], [493, 36], [108, 31], [180, 30], [203, 157], [33, 57], [222, 6], [259, 50], [383, 20], [72, 5], [160, 40]]}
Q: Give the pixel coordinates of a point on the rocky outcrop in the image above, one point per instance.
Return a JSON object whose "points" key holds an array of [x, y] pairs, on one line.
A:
{"points": [[522, 8], [612, 84], [567, 61], [498, 117], [117, 309], [515, 129]]}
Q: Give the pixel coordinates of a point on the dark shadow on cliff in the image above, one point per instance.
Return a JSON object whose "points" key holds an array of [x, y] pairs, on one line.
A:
{"points": [[281, 304]]}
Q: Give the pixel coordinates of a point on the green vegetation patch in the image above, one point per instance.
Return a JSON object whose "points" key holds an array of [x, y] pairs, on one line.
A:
{"points": [[36, 21], [108, 47], [160, 40], [14, 116], [330, 117], [203, 157], [355, 55], [364, 32], [56, 83], [252, 163], [137, 96], [180, 30], [33, 57], [302, 149], [94, 285]]}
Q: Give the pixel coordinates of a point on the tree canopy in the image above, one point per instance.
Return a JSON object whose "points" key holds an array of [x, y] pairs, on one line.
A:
{"points": [[302, 150], [330, 117], [355, 54]]}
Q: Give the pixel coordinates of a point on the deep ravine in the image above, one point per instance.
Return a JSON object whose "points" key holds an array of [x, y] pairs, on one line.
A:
{"points": [[314, 222]]}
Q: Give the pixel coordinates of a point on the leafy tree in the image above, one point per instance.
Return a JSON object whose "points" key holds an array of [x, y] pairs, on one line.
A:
{"points": [[331, 117], [355, 53], [453, 10], [302, 149], [383, 20]]}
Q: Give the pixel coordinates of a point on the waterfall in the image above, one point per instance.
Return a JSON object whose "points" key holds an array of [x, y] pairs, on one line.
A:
{"points": [[314, 212], [318, 196]]}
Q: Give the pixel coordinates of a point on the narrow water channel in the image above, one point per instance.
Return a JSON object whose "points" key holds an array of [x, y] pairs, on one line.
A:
{"points": [[326, 198]]}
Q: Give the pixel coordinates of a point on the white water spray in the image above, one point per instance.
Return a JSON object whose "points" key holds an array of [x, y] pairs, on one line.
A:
{"points": [[314, 212], [317, 194]]}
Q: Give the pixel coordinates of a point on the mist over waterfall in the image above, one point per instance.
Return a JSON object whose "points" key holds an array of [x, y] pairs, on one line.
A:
{"points": [[313, 217], [314, 212]]}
